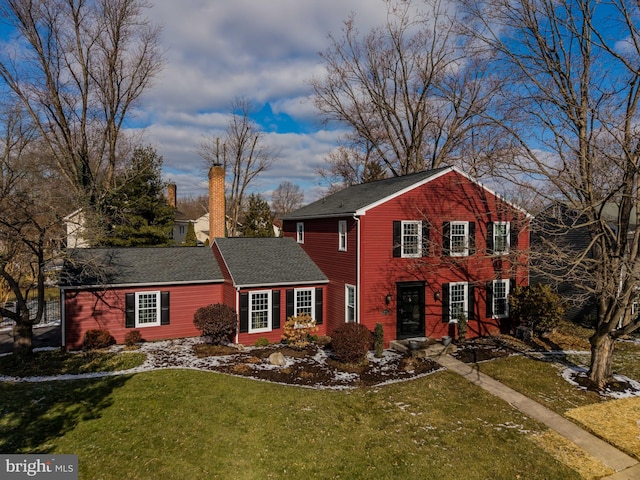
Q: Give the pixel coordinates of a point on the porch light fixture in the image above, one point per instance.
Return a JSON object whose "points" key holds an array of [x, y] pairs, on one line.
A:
{"points": [[387, 299], [436, 295]]}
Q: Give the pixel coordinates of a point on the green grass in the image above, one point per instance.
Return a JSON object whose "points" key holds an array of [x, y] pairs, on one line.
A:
{"points": [[201, 425], [58, 362]]}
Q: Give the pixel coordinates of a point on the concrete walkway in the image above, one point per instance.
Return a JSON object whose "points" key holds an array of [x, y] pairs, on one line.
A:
{"points": [[626, 466]]}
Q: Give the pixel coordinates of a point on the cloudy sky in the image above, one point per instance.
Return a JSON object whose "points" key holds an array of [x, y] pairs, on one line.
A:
{"points": [[263, 51]]}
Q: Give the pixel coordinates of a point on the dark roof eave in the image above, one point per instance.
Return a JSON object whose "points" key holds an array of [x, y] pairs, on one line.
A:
{"points": [[141, 284], [281, 284], [326, 215]]}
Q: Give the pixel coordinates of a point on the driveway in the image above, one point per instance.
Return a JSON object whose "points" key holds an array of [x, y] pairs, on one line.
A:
{"points": [[45, 336]]}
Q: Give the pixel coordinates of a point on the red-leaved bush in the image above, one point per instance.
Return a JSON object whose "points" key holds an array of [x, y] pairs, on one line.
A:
{"points": [[218, 323], [351, 342]]}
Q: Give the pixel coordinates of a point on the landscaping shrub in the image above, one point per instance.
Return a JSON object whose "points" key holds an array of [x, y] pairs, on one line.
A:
{"points": [[132, 337], [537, 307], [351, 342], [97, 338], [217, 322], [378, 342], [262, 342], [298, 330]]}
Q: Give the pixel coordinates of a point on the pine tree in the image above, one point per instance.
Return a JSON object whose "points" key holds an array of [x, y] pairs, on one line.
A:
{"points": [[257, 220], [136, 212]]}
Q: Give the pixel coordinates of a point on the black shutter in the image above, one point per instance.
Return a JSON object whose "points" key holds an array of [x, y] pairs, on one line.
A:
{"points": [[397, 238], [244, 312], [130, 310], [489, 296], [164, 308], [445, 303], [275, 309], [425, 238], [513, 236], [472, 238], [490, 238], [446, 238], [471, 302], [290, 303], [318, 301]]}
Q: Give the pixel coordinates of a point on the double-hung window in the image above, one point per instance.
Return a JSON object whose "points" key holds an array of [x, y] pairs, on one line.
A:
{"points": [[300, 232], [260, 311], [411, 242], [305, 302], [342, 235], [350, 304], [500, 237], [458, 301], [500, 298], [147, 309], [459, 238]]}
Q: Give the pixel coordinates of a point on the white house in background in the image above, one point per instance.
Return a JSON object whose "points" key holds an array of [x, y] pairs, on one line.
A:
{"points": [[75, 230]]}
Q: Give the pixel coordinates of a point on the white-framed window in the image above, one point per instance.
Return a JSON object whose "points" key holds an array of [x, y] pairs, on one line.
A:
{"points": [[300, 232], [500, 298], [260, 311], [411, 239], [458, 300], [500, 240], [147, 309], [304, 302], [350, 304], [459, 239], [342, 235]]}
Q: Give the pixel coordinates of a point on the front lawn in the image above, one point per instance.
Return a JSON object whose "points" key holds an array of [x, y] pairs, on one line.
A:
{"points": [[192, 424]]}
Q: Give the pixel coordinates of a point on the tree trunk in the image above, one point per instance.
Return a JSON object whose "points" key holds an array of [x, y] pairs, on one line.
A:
{"points": [[601, 359], [23, 339]]}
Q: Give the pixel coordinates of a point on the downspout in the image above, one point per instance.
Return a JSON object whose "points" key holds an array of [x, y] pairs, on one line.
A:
{"points": [[358, 252], [63, 319], [237, 310]]}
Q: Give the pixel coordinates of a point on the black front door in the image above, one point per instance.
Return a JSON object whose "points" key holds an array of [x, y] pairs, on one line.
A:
{"points": [[410, 310]]}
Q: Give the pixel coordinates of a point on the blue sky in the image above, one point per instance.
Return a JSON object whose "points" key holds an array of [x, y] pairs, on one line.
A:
{"points": [[263, 51]]}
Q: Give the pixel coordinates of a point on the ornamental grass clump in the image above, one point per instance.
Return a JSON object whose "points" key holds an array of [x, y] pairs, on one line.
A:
{"points": [[218, 323], [351, 342], [298, 330], [378, 342]]}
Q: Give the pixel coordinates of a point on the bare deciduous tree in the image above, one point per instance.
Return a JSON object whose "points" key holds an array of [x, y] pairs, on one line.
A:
{"points": [[286, 198], [570, 108], [411, 91], [78, 68], [244, 155]]}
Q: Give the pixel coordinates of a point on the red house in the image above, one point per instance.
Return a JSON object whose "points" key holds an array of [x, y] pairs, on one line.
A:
{"points": [[414, 253]]}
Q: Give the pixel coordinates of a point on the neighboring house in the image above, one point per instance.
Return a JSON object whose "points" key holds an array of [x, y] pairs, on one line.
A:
{"points": [[414, 253], [75, 224]]}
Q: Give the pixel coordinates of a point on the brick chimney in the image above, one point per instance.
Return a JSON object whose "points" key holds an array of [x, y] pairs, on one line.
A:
{"points": [[216, 202], [171, 195]]}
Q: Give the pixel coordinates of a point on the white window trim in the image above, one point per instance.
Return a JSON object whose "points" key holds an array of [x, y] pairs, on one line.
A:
{"points": [[313, 301], [158, 310], [300, 232], [465, 251], [342, 236], [465, 310], [507, 242], [418, 254], [493, 299], [347, 288], [268, 328]]}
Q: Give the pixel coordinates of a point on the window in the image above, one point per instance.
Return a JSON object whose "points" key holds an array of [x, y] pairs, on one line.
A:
{"points": [[304, 302], [350, 304], [411, 238], [457, 301], [260, 311], [459, 238], [342, 235], [500, 237], [300, 232], [147, 309], [500, 303]]}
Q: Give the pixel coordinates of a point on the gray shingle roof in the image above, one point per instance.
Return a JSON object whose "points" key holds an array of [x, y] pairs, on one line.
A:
{"points": [[268, 261], [140, 266], [355, 198]]}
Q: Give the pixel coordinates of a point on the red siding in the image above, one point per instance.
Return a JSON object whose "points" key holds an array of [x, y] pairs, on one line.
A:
{"points": [[105, 309], [451, 197]]}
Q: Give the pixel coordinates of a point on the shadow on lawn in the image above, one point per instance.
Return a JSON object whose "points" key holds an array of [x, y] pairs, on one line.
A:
{"points": [[32, 415]]}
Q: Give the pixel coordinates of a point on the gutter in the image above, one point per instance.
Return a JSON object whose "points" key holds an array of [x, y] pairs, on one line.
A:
{"points": [[143, 285]]}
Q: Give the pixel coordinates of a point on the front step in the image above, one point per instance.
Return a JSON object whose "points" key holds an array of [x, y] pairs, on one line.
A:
{"points": [[421, 347]]}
